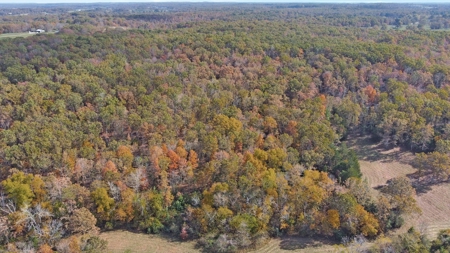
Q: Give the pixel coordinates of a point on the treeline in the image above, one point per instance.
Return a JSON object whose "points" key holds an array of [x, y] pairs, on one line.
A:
{"points": [[225, 131], [411, 241], [96, 17]]}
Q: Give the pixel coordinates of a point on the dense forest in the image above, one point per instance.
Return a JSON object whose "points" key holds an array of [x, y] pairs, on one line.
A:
{"points": [[218, 122]]}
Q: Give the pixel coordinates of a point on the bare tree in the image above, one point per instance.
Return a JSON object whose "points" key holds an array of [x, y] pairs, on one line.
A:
{"points": [[220, 199], [34, 219], [114, 190], [56, 186], [4, 229], [56, 231], [83, 167], [134, 180], [224, 243], [6, 205]]}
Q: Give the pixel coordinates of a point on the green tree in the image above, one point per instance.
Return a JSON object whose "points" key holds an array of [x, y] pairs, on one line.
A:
{"points": [[103, 202], [23, 188], [345, 164]]}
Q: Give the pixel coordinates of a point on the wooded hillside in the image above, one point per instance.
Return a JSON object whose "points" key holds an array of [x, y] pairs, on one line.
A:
{"points": [[217, 122]]}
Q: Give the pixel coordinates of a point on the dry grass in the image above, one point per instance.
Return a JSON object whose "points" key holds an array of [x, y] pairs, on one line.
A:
{"points": [[124, 241], [378, 165], [15, 35], [435, 205], [295, 244], [378, 173], [121, 241]]}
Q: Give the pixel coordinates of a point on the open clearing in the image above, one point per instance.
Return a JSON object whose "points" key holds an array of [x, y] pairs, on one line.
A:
{"points": [[15, 35], [378, 165], [21, 35], [297, 244], [121, 241], [435, 205]]}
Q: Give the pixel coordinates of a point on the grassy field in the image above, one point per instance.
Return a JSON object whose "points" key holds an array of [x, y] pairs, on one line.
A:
{"points": [[15, 35], [20, 35], [128, 242], [378, 165], [435, 205], [123, 241]]}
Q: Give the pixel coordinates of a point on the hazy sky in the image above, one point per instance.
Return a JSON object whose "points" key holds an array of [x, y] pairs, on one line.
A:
{"points": [[265, 1]]}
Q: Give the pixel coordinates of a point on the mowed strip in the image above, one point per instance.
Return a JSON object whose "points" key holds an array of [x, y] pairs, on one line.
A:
{"points": [[378, 173], [435, 205]]}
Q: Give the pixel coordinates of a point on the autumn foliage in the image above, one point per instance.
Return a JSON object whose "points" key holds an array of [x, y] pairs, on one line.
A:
{"points": [[222, 123]]}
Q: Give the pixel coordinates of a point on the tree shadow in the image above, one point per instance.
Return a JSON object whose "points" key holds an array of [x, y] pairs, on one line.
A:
{"points": [[423, 183], [171, 237], [422, 188], [298, 242], [167, 236], [371, 150]]}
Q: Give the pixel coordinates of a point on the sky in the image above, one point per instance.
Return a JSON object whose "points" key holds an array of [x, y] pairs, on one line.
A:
{"points": [[247, 1]]}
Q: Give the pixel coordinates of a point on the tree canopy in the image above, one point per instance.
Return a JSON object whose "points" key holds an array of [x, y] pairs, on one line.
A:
{"points": [[216, 121]]}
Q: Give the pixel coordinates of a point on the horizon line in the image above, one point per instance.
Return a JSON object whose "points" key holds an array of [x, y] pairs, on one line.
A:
{"points": [[229, 1]]}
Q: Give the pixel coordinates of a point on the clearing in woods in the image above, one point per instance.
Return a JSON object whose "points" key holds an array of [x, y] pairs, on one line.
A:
{"points": [[129, 242], [22, 35], [15, 35], [378, 165]]}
